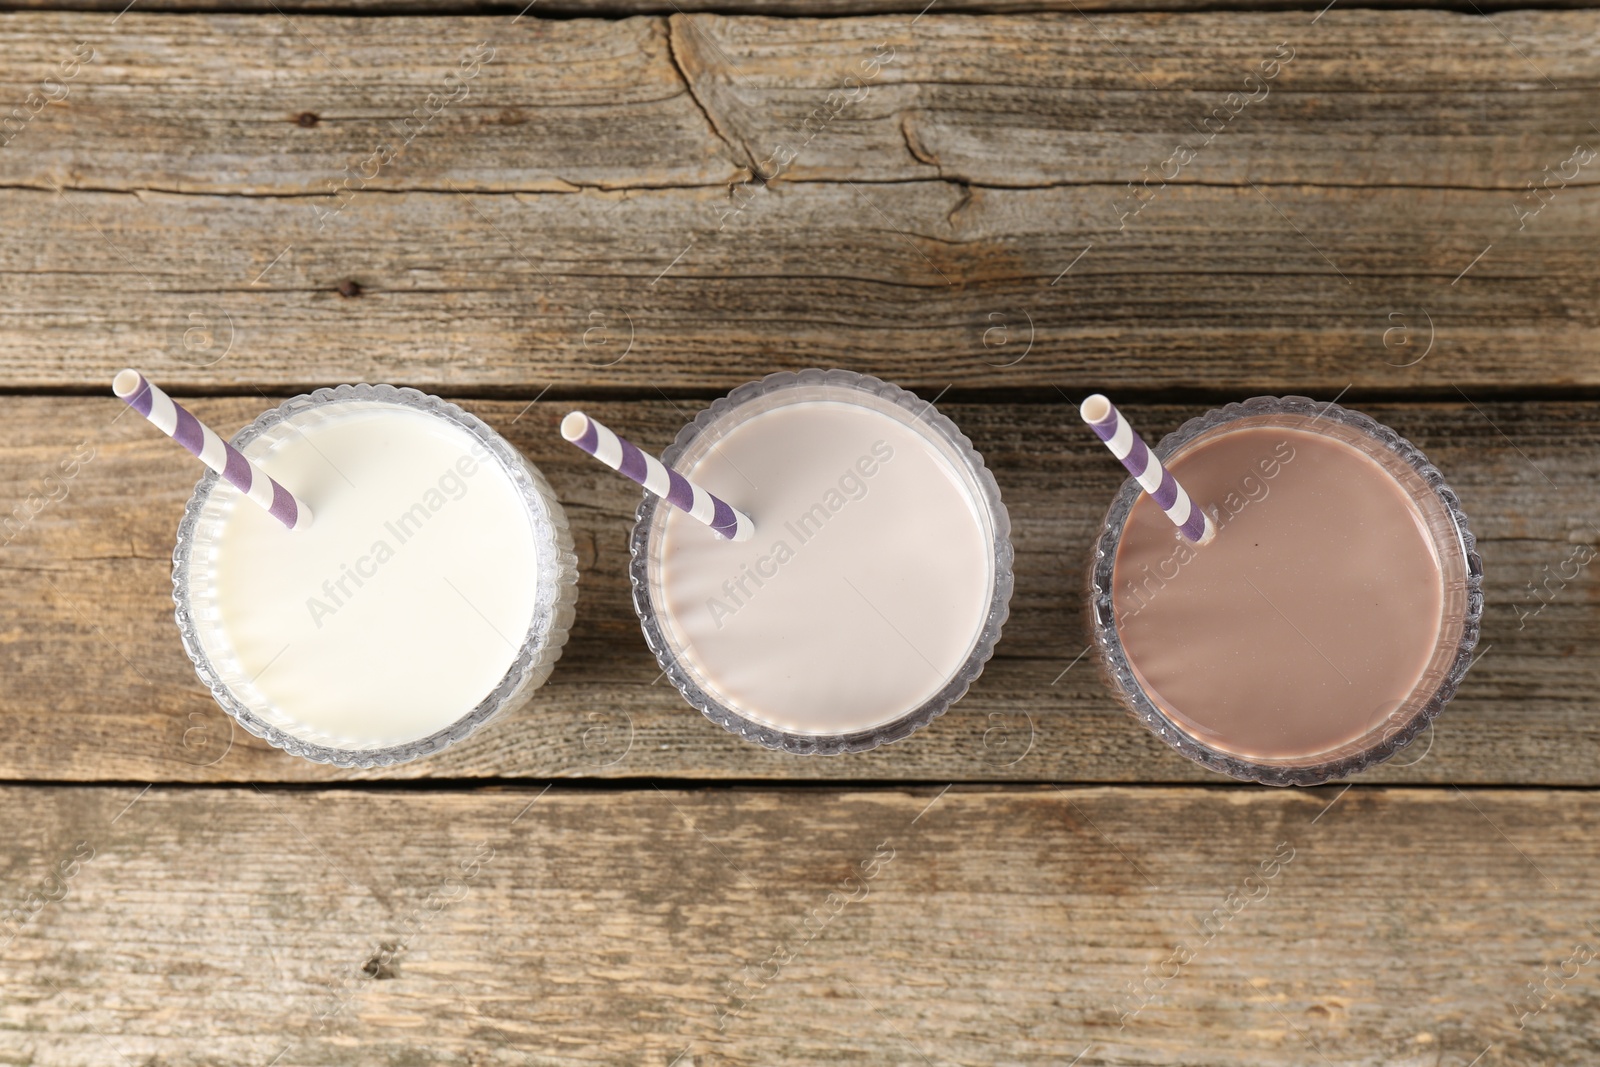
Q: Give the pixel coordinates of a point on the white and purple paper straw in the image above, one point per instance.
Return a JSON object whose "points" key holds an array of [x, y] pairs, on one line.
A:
{"points": [[1126, 444], [135, 390], [627, 459]]}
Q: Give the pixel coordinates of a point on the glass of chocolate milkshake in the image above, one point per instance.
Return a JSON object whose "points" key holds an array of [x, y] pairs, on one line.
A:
{"points": [[1329, 621]]}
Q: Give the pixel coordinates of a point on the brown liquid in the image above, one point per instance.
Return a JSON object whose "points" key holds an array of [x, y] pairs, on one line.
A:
{"points": [[1311, 617]]}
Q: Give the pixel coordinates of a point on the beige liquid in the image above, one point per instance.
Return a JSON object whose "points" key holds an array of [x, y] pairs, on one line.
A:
{"points": [[864, 588], [1307, 622]]}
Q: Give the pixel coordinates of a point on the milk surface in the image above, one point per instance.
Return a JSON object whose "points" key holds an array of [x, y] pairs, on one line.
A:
{"points": [[866, 584], [402, 605], [1307, 622]]}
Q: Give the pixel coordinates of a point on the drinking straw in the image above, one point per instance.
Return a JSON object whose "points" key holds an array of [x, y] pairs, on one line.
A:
{"points": [[626, 458], [1126, 444], [135, 390]]}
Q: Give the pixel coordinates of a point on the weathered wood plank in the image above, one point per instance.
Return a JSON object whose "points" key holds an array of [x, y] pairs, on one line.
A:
{"points": [[816, 8], [179, 103], [94, 683], [1030, 101], [1371, 177], [229, 927], [923, 283], [263, 104]]}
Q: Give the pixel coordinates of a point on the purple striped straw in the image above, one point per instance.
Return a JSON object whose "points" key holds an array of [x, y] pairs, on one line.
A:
{"points": [[135, 390], [626, 458], [1126, 444]]}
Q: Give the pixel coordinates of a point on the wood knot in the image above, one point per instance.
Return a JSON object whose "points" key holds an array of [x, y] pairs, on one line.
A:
{"points": [[385, 963], [349, 289], [307, 119]]}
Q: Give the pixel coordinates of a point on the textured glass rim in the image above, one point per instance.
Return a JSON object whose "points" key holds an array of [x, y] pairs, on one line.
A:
{"points": [[556, 582], [829, 744], [1114, 661]]}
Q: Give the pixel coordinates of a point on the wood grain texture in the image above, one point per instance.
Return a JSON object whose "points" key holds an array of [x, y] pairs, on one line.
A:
{"points": [[1213, 290], [94, 683], [1360, 97], [228, 927], [814, 8], [178, 103], [966, 222]]}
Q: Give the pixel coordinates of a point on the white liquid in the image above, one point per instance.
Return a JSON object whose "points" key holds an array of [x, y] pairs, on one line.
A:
{"points": [[400, 608], [853, 617]]}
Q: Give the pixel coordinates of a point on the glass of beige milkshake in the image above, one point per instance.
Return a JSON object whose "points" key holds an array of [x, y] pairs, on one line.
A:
{"points": [[876, 583], [1329, 621]]}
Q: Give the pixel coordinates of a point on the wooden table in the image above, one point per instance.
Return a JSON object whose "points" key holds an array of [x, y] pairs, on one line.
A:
{"points": [[638, 205]]}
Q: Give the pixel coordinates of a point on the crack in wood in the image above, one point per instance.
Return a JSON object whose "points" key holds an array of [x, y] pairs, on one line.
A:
{"points": [[673, 47]]}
